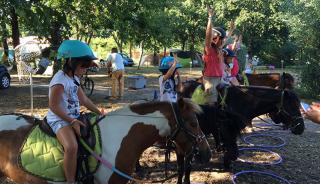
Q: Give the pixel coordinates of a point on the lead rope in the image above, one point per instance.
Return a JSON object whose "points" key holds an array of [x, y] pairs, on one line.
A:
{"points": [[223, 98], [108, 165]]}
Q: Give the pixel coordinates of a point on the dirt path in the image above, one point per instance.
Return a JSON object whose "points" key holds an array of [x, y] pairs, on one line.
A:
{"points": [[300, 155]]}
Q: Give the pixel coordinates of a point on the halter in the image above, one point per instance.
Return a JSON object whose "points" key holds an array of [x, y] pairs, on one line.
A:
{"points": [[180, 127], [281, 110]]}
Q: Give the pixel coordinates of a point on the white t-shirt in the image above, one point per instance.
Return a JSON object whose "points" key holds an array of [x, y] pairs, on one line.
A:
{"points": [[226, 76], [70, 101], [167, 92], [116, 60]]}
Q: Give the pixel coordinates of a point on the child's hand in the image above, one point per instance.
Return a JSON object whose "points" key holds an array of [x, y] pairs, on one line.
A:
{"points": [[175, 60], [232, 25], [76, 126], [210, 11], [102, 112], [177, 73]]}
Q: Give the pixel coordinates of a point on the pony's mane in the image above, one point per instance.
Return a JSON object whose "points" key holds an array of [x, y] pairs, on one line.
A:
{"points": [[189, 104], [28, 118], [192, 106], [264, 74], [257, 91], [257, 88]]}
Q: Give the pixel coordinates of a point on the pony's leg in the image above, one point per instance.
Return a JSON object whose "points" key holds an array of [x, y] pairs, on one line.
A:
{"points": [[187, 169], [230, 155], [216, 136], [180, 161], [138, 166]]}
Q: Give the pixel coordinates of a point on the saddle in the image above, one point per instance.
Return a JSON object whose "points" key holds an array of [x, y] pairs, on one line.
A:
{"points": [[86, 132], [89, 133]]}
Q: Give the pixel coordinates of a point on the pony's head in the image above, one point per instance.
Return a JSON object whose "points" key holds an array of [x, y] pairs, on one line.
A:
{"points": [[188, 87], [186, 132], [286, 81], [252, 101], [288, 112]]}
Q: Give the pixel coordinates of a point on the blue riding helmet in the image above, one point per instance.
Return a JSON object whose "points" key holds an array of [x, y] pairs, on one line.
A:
{"points": [[75, 49], [228, 53], [164, 63]]}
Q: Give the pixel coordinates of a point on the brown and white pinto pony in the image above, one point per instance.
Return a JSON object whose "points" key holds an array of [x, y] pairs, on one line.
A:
{"points": [[125, 134]]}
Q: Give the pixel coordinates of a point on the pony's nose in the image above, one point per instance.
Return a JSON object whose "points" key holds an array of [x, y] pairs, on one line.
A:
{"points": [[203, 156], [298, 129]]}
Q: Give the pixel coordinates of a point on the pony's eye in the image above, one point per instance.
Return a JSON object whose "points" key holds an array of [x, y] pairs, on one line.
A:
{"points": [[194, 124]]}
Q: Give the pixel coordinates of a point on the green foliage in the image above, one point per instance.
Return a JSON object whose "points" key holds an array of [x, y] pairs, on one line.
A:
{"points": [[310, 76]]}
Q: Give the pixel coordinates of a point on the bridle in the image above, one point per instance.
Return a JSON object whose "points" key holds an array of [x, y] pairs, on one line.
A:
{"points": [[180, 127], [282, 111]]}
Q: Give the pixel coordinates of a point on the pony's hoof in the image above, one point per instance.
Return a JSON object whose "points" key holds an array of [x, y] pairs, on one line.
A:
{"points": [[247, 130]]}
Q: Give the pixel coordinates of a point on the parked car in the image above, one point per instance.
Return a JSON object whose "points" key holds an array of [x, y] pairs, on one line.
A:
{"points": [[127, 61], [5, 78]]}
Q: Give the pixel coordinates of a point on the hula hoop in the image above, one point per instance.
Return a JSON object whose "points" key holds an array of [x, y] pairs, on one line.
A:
{"points": [[245, 139], [259, 172], [265, 150], [265, 125]]}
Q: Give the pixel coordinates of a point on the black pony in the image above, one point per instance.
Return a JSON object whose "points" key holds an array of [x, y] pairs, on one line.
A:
{"points": [[236, 107], [225, 127]]}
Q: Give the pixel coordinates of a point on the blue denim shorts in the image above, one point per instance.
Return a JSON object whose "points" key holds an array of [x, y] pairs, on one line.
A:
{"points": [[57, 125]]}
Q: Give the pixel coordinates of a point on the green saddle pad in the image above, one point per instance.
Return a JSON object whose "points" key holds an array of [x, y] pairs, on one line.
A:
{"points": [[199, 96], [42, 155]]}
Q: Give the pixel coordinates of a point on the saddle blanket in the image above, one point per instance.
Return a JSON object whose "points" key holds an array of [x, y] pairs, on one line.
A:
{"points": [[42, 155]]}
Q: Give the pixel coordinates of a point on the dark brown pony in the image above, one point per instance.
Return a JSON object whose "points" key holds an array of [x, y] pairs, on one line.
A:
{"points": [[125, 134], [238, 106], [274, 80]]}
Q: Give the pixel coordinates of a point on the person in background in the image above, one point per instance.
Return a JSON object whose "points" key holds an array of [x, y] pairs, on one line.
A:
{"points": [[313, 113], [44, 61], [115, 62], [65, 97], [234, 47], [227, 78], [168, 86], [213, 59]]}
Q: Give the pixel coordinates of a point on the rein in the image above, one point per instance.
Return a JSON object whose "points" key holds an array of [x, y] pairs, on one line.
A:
{"points": [[223, 98], [281, 110]]}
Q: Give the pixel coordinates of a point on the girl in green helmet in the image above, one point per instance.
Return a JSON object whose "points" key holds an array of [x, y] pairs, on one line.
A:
{"points": [[65, 97]]}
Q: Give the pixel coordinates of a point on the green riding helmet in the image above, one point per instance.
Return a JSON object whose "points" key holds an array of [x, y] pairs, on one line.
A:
{"points": [[75, 49]]}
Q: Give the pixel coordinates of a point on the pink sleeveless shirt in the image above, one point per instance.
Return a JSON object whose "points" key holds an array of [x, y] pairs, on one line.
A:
{"points": [[213, 60]]}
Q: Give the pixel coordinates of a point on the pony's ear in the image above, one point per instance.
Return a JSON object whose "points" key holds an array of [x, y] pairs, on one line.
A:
{"points": [[186, 104]]}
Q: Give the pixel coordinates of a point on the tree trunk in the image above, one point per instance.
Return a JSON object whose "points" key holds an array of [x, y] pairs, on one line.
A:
{"points": [[183, 45], [142, 45], [164, 52], [154, 58], [120, 47], [130, 49], [55, 41], [90, 37], [15, 27], [118, 42], [4, 39]]}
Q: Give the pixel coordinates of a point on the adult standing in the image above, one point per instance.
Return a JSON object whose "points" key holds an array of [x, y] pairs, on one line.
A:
{"points": [[115, 61], [213, 59], [44, 61]]}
